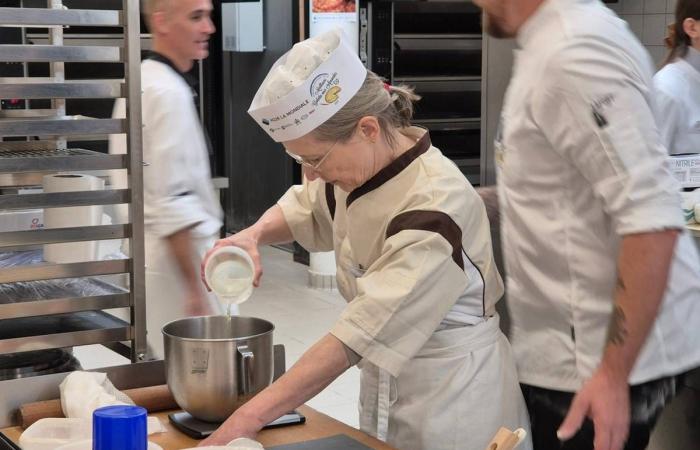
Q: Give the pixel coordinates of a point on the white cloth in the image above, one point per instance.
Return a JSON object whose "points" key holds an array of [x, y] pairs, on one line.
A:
{"points": [[178, 192], [580, 166], [410, 412], [84, 392], [677, 88]]}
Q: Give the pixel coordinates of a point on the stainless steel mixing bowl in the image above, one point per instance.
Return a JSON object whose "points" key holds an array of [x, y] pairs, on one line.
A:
{"points": [[214, 364]]}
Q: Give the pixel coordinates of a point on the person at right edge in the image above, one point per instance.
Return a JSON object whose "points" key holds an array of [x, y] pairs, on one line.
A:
{"points": [[678, 83], [603, 280]]}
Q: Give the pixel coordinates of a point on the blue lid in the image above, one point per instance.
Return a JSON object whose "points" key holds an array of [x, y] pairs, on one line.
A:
{"points": [[119, 427]]}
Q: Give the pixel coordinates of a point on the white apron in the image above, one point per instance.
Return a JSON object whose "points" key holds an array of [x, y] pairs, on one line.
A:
{"points": [[445, 398], [166, 291]]}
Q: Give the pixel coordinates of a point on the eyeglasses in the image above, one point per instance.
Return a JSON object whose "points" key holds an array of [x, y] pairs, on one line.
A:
{"points": [[311, 163]]}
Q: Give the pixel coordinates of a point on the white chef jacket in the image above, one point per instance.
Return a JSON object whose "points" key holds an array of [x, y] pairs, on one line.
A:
{"points": [[414, 259], [580, 165], [178, 191], [678, 106]]}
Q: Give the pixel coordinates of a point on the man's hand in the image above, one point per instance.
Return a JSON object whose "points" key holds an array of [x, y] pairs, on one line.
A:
{"points": [[198, 305], [605, 400]]}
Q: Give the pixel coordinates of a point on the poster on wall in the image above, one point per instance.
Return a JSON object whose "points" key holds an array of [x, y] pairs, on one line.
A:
{"points": [[327, 14]]}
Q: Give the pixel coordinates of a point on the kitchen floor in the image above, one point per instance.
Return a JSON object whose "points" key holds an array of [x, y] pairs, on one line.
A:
{"points": [[301, 316]]}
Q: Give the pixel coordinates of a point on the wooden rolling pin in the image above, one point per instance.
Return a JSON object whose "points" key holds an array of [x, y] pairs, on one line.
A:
{"points": [[506, 439], [153, 398]]}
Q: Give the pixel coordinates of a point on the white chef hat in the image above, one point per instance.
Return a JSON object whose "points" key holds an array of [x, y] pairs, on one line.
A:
{"points": [[307, 85]]}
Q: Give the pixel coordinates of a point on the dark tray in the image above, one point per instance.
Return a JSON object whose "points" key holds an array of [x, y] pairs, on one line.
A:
{"points": [[338, 442]]}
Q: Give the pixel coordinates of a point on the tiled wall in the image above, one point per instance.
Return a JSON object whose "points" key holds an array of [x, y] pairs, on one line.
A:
{"points": [[648, 20]]}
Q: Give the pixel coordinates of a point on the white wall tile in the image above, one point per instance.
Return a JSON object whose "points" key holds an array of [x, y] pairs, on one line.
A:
{"points": [[636, 24], [633, 7], [671, 6], [654, 6], [670, 18], [658, 54], [654, 29], [617, 7]]}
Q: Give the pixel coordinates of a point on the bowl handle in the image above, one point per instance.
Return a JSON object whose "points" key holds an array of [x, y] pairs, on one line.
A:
{"points": [[247, 360]]}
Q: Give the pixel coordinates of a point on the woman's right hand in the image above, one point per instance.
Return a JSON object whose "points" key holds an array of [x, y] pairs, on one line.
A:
{"points": [[243, 240]]}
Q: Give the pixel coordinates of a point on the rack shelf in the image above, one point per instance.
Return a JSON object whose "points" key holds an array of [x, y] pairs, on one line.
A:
{"points": [[26, 88], [41, 332], [64, 126], [47, 305], [57, 160], [60, 17], [436, 47], [52, 53]]}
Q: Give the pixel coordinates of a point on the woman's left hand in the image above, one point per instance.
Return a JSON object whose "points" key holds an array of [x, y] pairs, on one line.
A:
{"points": [[234, 427]]}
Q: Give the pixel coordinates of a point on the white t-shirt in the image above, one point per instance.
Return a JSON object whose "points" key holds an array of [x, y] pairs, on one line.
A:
{"points": [[678, 106], [580, 165]]}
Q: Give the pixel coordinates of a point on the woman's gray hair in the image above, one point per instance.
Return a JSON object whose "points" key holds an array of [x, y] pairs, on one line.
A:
{"points": [[391, 105]]}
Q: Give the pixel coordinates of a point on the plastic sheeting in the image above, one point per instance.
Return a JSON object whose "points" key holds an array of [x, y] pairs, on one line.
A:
{"points": [[49, 289]]}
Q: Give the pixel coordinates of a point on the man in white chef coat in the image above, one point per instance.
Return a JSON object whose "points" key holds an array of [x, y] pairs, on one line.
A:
{"points": [[182, 215], [603, 282]]}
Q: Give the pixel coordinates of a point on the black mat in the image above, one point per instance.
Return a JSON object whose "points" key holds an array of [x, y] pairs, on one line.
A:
{"points": [[338, 442], [7, 444]]}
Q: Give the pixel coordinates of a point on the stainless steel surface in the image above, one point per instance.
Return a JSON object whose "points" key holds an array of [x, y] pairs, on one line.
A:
{"points": [[69, 160], [214, 364], [63, 305], [61, 330], [41, 16], [14, 393], [59, 235], [69, 89], [61, 199], [24, 163], [62, 126], [72, 270], [439, 42], [59, 53], [33, 145], [26, 113], [134, 124]]}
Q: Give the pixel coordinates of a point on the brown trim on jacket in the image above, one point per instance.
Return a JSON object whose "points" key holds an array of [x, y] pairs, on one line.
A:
{"points": [[330, 199], [435, 221]]}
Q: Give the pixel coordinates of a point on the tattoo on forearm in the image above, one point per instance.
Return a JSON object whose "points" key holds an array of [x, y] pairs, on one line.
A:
{"points": [[620, 284], [617, 331]]}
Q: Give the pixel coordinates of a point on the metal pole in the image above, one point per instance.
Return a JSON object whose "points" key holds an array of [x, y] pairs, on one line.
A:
{"points": [[132, 72], [58, 70]]}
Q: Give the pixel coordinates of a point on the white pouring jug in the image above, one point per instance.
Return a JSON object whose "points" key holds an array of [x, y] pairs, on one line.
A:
{"points": [[229, 273]]}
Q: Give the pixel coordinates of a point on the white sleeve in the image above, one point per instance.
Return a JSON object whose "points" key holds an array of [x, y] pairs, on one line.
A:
{"points": [[595, 111], [171, 130], [667, 113]]}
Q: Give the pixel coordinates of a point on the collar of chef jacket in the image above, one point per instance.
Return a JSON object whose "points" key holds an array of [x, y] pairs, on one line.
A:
{"points": [[191, 81]]}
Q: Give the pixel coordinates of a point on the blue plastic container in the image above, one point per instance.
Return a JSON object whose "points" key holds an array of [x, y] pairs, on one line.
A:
{"points": [[119, 428]]}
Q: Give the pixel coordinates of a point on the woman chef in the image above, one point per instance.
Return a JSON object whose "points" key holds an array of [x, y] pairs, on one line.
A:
{"points": [[678, 83], [413, 254]]}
